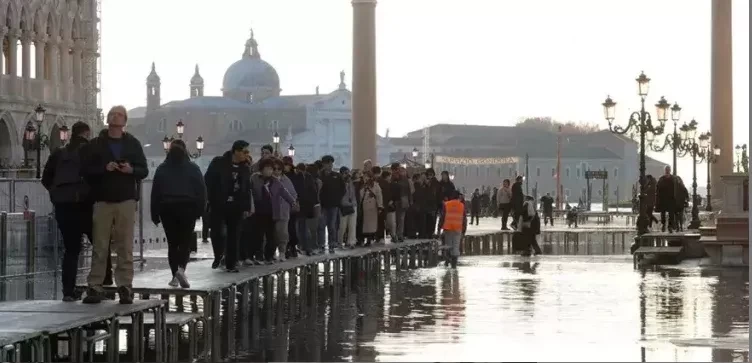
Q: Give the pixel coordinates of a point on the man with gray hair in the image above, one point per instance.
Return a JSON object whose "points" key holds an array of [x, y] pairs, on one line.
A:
{"points": [[115, 167]]}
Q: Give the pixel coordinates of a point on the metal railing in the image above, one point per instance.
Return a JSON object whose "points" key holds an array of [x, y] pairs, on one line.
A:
{"points": [[31, 245]]}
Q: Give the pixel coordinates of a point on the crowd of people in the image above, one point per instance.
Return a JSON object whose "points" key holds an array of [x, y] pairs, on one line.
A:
{"points": [[256, 213]]}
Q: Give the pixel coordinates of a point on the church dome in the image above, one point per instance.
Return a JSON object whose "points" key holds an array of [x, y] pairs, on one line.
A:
{"points": [[250, 73]]}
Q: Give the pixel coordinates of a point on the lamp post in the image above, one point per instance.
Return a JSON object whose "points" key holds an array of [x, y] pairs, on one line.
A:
{"points": [[275, 140], [673, 140], [180, 131], [35, 140], [429, 161], [691, 146], [642, 123], [710, 158], [741, 154], [291, 151]]}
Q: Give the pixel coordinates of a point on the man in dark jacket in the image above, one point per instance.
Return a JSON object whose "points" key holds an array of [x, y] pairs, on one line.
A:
{"points": [[434, 199], [665, 199], [332, 191], [308, 198], [382, 178], [63, 177], [115, 166], [228, 189], [475, 202], [547, 201], [518, 199]]}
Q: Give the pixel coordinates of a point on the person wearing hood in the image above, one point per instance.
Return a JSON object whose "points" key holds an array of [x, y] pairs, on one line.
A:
{"points": [[178, 199], [269, 195], [228, 188], [69, 193]]}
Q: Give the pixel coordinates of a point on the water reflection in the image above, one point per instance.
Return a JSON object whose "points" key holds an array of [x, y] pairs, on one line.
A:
{"points": [[507, 308]]}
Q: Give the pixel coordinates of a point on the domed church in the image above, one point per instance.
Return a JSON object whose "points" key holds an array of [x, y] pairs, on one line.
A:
{"points": [[251, 108]]}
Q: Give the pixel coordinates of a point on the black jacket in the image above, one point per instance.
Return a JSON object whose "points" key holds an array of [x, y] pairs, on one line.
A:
{"points": [[518, 198], [434, 194], [446, 190], [115, 186], [178, 183], [386, 194], [218, 180], [475, 203], [76, 143], [332, 189], [308, 196]]}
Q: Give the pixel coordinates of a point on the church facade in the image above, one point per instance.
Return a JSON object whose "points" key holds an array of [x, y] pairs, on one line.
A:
{"points": [[251, 108]]}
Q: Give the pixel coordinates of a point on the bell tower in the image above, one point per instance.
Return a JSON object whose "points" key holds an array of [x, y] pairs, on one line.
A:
{"points": [[153, 85]]}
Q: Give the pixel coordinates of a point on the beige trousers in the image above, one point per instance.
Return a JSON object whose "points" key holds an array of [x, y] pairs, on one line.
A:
{"points": [[113, 222]]}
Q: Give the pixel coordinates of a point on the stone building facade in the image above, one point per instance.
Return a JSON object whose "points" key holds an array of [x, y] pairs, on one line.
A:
{"points": [[485, 155], [49, 57], [251, 108]]}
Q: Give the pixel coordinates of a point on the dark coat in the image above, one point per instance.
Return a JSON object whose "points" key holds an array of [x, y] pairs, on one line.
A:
{"points": [[76, 143], [308, 194], [665, 200], [218, 179], [115, 186], [178, 183], [475, 202], [518, 198]]}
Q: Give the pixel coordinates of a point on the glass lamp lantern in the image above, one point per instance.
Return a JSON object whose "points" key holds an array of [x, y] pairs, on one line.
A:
{"points": [[166, 143], [275, 138], [643, 84], [180, 127], [291, 151], [39, 113], [609, 109], [199, 144], [415, 152], [30, 133], [661, 110], [675, 112]]}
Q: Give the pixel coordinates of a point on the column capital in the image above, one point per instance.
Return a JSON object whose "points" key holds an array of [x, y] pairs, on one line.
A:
{"points": [[364, 2], [54, 40], [28, 36], [42, 38], [14, 33], [66, 42], [3, 31], [79, 45]]}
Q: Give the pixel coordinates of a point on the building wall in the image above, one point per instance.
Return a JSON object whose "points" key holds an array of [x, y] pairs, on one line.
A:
{"points": [[53, 74]]}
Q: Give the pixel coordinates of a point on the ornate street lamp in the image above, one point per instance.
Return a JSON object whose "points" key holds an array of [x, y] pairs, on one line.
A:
{"points": [[166, 143], [180, 128], [199, 147], [673, 140], [711, 158], [741, 154], [415, 153], [38, 139], [291, 151], [30, 136], [641, 122], [696, 148], [275, 140]]}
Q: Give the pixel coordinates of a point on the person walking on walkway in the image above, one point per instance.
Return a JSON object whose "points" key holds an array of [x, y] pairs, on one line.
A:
{"points": [[287, 200], [475, 201], [547, 201], [372, 204], [292, 226], [308, 199], [116, 166], [348, 211], [504, 198], [529, 226], [178, 199], [230, 201], [666, 199], [454, 225], [63, 178], [268, 194], [518, 198], [650, 192], [332, 190]]}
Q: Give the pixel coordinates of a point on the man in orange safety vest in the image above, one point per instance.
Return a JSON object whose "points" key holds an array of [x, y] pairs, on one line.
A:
{"points": [[454, 225]]}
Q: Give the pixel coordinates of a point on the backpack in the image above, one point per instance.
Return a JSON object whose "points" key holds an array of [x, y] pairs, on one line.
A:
{"points": [[67, 185]]}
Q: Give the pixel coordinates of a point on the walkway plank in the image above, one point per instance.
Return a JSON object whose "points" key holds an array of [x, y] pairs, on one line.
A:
{"points": [[46, 323], [102, 311]]}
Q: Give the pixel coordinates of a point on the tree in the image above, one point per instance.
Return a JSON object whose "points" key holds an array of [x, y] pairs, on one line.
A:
{"points": [[550, 125]]}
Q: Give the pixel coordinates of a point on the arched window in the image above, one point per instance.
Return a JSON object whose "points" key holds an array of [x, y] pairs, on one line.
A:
{"points": [[567, 171], [578, 173], [616, 172], [553, 172], [162, 125], [537, 171]]}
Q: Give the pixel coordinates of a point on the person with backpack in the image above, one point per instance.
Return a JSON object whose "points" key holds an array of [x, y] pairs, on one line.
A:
{"points": [[69, 194]]}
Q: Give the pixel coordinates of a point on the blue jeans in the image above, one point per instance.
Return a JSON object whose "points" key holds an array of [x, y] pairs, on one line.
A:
{"points": [[331, 217]]}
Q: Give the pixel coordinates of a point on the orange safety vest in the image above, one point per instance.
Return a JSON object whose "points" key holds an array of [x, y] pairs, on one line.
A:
{"points": [[454, 215]]}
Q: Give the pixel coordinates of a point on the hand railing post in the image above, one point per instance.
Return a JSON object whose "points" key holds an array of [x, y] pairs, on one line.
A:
{"points": [[31, 253], [3, 255]]}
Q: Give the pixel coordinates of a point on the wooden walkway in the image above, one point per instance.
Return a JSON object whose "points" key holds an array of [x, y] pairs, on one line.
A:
{"points": [[218, 294], [28, 328]]}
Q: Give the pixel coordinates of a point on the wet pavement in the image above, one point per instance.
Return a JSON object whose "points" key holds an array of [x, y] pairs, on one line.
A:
{"points": [[567, 305], [548, 308]]}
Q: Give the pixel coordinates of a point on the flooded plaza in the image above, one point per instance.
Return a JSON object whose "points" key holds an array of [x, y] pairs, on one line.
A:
{"points": [[549, 308]]}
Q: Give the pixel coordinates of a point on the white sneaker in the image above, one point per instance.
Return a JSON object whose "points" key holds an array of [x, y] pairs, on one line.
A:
{"points": [[248, 262], [173, 282], [180, 276], [193, 254]]}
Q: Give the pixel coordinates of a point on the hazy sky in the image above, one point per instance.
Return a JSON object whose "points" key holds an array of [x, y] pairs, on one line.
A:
{"points": [[458, 61]]}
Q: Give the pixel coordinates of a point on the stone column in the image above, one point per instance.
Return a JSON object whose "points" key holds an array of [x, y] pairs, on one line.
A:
{"points": [[26, 38], [78, 47], [364, 82], [721, 91], [53, 49], [65, 65], [13, 36], [3, 32], [40, 44]]}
